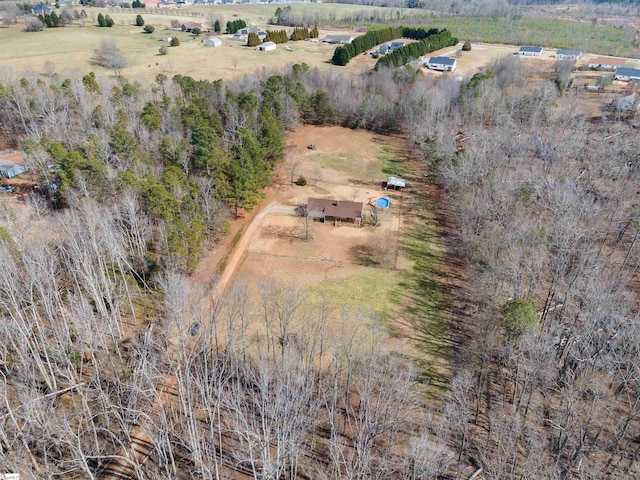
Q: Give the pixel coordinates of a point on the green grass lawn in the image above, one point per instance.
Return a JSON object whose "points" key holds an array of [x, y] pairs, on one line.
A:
{"points": [[551, 33], [350, 163], [375, 290], [393, 161]]}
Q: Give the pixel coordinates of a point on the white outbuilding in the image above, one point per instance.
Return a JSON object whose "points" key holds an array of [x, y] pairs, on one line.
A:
{"points": [[442, 64], [530, 51], [213, 42], [266, 46]]}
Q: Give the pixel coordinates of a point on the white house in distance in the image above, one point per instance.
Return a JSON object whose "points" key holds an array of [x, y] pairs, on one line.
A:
{"points": [[266, 46], [213, 42], [606, 63], [568, 54], [627, 74], [442, 64], [530, 51], [395, 45], [340, 39]]}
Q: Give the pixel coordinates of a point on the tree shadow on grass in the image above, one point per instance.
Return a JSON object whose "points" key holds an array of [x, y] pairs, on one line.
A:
{"points": [[427, 294]]}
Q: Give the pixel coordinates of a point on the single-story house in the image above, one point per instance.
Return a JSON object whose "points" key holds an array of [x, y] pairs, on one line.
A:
{"points": [[395, 183], [627, 74], [606, 63], [41, 9], [395, 45], [568, 54], [213, 42], [166, 4], [384, 49], [10, 169], [336, 211], [191, 26], [443, 64], [628, 103], [266, 46], [530, 51], [340, 39]]}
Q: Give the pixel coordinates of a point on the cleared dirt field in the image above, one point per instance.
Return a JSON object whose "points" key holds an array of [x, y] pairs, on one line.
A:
{"points": [[339, 168]]}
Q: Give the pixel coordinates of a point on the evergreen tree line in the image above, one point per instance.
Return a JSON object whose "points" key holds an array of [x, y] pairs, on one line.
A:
{"points": [[234, 25], [52, 20], [404, 55], [303, 33], [344, 53], [277, 36]]}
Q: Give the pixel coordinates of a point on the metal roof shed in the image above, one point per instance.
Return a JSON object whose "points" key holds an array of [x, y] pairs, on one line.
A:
{"points": [[9, 169]]}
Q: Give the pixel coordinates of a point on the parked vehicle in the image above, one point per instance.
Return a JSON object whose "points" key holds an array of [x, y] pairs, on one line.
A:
{"points": [[6, 189]]}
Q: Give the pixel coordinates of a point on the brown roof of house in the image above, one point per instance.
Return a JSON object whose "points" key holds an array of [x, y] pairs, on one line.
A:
{"points": [[325, 207], [607, 61]]}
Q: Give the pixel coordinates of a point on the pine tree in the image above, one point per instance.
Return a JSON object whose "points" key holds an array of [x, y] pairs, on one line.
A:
{"points": [[139, 20], [108, 21], [101, 21], [253, 40], [216, 26]]}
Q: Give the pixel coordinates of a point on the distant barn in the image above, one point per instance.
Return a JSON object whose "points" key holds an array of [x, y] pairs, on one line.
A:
{"points": [[627, 74], [606, 63], [568, 54], [530, 51]]}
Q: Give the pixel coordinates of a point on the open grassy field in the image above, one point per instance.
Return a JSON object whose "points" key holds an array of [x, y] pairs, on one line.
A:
{"points": [[72, 47], [551, 33]]}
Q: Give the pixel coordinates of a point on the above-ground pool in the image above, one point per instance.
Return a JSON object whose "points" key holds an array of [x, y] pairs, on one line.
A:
{"points": [[382, 202]]}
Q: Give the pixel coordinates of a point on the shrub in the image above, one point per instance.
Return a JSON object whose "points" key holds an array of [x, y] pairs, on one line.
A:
{"points": [[175, 42], [33, 25], [467, 46], [518, 316], [301, 181], [164, 50], [149, 29], [108, 21], [139, 21]]}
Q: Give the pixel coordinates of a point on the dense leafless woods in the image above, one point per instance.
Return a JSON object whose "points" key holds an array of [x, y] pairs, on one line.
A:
{"points": [[106, 344]]}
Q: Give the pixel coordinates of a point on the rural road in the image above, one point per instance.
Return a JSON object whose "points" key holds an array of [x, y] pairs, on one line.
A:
{"points": [[241, 247]]}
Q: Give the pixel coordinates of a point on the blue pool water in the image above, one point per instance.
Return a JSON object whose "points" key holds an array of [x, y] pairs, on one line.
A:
{"points": [[382, 202]]}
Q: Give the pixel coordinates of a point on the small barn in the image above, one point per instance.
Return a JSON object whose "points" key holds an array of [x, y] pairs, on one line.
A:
{"points": [[395, 183], [442, 64], [266, 46], [213, 42], [10, 169], [565, 54], [339, 39], [627, 74], [336, 211], [606, 63], [530, 51]]}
